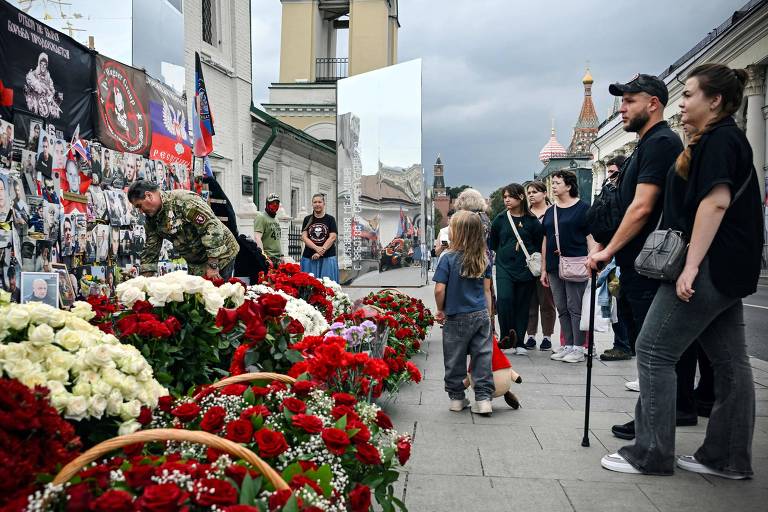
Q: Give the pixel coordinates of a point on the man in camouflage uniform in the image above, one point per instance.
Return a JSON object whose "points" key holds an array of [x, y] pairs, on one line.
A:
{"points": [[186, 220]]}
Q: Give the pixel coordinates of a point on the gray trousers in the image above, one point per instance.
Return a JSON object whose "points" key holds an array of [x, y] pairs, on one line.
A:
{"points": [[670, 328], [468, 333], [568, 296]]}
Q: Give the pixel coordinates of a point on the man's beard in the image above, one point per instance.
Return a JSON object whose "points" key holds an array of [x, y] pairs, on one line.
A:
{"points": [[636, 124]]}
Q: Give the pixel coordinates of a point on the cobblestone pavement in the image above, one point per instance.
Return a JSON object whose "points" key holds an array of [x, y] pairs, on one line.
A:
{"points": [[531, 459]]}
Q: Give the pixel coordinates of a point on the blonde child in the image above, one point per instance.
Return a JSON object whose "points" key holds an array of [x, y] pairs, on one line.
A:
{"points": [[463, 297]]}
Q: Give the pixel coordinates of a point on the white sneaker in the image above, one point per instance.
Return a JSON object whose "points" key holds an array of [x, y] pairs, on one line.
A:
{"points": [[483, 407], [459, 405], [576, 355], [633, 385], [560, 354], [521, 351], [689, 463], [615, 462]]}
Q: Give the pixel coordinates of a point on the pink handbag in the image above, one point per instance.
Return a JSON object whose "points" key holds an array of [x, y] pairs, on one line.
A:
{"points": [[571, 268]]}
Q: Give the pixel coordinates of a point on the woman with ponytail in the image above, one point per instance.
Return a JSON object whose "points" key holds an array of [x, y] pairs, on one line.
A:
{"points": [[712, 196]]}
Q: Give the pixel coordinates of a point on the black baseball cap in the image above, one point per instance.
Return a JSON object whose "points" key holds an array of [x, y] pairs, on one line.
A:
{"points": [[642, 83]]}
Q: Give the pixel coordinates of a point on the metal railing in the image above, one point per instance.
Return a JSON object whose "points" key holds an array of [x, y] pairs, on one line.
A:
{"points": [[295, 245], [331, 69]]}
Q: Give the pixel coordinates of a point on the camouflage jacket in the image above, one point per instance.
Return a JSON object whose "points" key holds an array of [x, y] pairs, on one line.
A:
{"points": [[186, 220]]}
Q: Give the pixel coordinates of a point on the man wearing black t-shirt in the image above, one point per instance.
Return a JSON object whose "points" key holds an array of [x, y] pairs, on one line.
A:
{"points": [[319, 233], [641, 187]]}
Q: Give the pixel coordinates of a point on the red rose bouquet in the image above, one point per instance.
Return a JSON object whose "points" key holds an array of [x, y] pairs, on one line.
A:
{"points": [[333, 450], [289, 278], [34, 440]]}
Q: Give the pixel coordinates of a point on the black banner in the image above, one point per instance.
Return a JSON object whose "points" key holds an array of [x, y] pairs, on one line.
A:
{"points": [[122, 120], [45, 73]]}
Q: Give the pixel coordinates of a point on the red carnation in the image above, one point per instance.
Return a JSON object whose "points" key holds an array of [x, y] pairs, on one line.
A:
{"points": [[403, 450], [161, 498], [240, 431], [413, 371], [344, 399], [308, 423], [360, 498], [186, 412], [294, 405], [213, 419], [368, 454], [212, 491], [335, 440], [271, 443]]}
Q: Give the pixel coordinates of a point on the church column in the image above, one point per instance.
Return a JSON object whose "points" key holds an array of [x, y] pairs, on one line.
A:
{"points": [[756, 129]]}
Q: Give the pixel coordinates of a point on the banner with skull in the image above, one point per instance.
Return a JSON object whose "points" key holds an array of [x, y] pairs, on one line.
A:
{"points": [[45, 73], [122, 120]]}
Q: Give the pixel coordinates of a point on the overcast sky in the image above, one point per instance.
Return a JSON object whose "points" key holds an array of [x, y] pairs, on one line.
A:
{"points": [[496, 71]]}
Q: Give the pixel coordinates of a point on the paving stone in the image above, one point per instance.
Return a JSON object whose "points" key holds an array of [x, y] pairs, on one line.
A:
{"points": [[439, 493], [523, 494], [608, 497], [616, 391], [742, 497], [602, 404], [436, 436], [445, 458], [597, 380], [562, 389]]}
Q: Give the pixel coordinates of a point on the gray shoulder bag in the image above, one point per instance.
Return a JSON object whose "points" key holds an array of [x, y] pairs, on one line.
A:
{"points": [[664, 251]]}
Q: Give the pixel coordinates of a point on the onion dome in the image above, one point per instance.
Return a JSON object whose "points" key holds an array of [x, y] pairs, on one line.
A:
{"points": [[587, 78], [552, 149]]}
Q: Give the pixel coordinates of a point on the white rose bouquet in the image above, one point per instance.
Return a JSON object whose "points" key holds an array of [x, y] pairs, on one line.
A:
{"points": [[92, 377]]}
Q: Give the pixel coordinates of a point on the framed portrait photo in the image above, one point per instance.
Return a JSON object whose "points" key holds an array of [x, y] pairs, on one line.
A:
{"points": [[66, 287], [40, 287]]}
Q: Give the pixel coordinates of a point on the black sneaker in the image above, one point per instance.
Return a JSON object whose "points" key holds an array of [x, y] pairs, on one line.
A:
{"points": [[530, 343], [627, 430], [615, 354], [545, 345]]}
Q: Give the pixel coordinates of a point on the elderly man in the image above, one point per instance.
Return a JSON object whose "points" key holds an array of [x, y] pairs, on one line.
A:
{"points": [[186, 220], [40, 293]]}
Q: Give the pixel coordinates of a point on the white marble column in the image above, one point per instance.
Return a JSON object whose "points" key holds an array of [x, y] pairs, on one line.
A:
{"points": [[756, 129]]}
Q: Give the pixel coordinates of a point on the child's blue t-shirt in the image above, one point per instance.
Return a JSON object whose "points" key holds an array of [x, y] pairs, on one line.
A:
{"points": [[462, 294]]}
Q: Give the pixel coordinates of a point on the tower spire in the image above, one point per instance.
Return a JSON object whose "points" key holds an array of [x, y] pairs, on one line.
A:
{"points": [[585, 131]]}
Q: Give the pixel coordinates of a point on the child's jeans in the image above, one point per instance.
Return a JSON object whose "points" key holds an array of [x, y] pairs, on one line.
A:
{"points": [[468, 333]]}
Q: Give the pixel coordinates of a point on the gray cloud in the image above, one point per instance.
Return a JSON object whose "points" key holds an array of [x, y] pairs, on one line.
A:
{"points": [[496, 71]]}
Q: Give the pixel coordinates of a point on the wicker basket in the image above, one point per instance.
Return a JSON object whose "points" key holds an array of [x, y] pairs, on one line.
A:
{"points": [[170, 434], [394, 291], [247, 377]]}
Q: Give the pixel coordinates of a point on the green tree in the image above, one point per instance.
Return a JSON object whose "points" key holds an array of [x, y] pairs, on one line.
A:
{"points": [[437, 218], [453, 192], [497, 203]]}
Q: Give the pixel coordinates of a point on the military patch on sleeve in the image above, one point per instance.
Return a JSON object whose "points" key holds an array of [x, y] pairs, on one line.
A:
{"points": [[200, 219]]}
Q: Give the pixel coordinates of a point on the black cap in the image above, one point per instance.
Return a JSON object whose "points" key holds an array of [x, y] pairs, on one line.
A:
{"points": [[642, 83]]}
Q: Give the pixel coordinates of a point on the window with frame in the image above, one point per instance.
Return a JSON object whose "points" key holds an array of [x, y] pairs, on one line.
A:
{"points": [[210, 35]]}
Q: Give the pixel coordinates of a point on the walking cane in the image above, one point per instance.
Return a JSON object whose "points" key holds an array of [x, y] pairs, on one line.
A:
{"points": [[590, 348]]}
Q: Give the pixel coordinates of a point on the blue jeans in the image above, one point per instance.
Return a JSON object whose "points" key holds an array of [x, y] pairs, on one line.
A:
{"points": [[468, 333], [670, 328], [321, 267]]}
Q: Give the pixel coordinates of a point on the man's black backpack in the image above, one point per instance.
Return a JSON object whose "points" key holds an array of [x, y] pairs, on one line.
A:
{"points": [[606, 212], [604, 216]]}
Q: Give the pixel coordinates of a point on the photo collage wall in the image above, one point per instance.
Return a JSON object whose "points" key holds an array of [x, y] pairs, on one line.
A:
{"points": [[57, 207]]}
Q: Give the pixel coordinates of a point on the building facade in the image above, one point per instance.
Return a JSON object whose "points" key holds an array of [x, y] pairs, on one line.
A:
{"points": [[741, 41], [220, 30], [310, 64]]}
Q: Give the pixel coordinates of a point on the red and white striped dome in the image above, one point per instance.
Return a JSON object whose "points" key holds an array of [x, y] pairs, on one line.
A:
{"points": [[552, 149]]}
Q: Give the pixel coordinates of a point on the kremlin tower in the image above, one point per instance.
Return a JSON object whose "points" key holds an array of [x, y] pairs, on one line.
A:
{"points": [[552, 149], [440, 197], [585, 131]]}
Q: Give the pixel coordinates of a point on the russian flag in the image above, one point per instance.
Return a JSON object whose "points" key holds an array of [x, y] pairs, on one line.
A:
{"points": [[203, 119]]}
